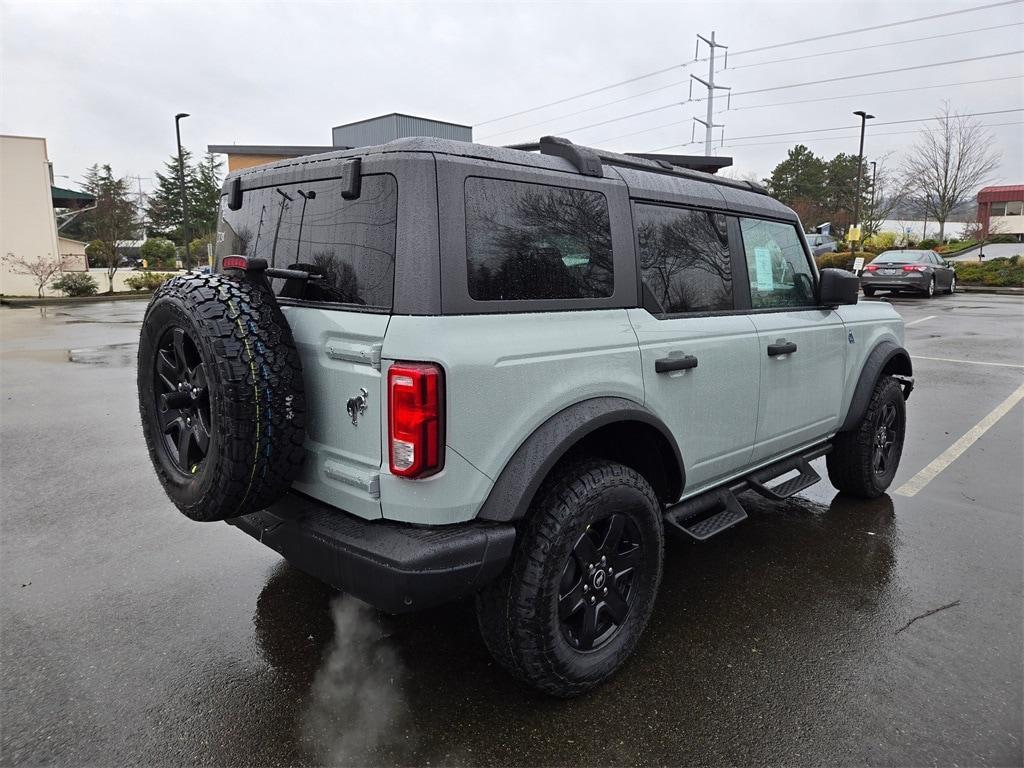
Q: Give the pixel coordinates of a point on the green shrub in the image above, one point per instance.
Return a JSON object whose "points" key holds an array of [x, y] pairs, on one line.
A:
{"points": [[147, 281], [158, 252], [75, 284], [956, 245], [1002, 239], [842, 260], [999, 273], [928, 244], [881, 241]]}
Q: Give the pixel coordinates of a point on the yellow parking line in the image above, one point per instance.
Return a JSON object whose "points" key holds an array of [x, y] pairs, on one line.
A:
{"points": [[951, 454]]}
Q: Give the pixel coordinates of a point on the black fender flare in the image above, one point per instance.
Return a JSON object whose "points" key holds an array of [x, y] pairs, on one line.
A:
{"points": [[514, 489], [887, 357]]}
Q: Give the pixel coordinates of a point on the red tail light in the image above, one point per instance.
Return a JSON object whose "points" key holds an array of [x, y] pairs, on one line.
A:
{"points": [[870, 268], [415, 419], [914, 268], [235, 262]]}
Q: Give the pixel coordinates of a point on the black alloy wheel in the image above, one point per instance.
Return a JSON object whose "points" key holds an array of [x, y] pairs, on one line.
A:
{"points": [[884, 448], [182, 396], [596, 591]]}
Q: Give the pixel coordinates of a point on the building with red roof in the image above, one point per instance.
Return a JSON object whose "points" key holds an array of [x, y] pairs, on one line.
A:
{"points": [[1001, 210]]}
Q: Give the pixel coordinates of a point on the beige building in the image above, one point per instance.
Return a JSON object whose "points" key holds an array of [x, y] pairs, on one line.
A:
{"points": [[28, 230]]}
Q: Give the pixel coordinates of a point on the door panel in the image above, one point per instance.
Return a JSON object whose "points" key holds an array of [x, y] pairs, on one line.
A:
{"points": [[800, 390], [340, 354], [711, 407]]}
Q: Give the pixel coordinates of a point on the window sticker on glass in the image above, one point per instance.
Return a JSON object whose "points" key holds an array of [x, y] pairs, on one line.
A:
{"points": [[763, 269]]}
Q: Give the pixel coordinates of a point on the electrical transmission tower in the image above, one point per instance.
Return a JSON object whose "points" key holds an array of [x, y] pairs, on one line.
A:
{"points": [[709, 123]]}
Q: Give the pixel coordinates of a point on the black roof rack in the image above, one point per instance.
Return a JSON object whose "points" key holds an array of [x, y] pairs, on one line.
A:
{"points": [[590, 161]]}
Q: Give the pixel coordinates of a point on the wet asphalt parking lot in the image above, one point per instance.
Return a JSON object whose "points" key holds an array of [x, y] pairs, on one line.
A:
{"points": [[133, 636]]}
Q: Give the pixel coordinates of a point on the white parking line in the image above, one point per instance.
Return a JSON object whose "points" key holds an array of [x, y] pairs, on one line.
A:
{"points": [[970, 362], [919, 320], [951, 454]]}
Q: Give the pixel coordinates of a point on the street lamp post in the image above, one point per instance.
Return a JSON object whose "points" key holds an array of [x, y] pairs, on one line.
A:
{"points": [[181, 182], [864, 117]]}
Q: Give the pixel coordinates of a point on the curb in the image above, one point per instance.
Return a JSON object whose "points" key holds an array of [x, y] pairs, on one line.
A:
{"points": [[30, 301], [1004, 291]]}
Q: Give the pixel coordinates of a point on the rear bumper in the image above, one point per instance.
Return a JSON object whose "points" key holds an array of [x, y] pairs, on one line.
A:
{"points": [[916, 281], [395, 567]]}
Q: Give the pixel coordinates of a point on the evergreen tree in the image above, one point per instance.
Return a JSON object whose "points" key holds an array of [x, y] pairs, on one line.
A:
{"points": [[799, 182], [202, 189]]}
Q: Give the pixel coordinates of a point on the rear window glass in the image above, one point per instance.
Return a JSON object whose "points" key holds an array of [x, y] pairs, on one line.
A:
{"points": [[532, 241], [308, 226], [904, 257], [684, 259]]}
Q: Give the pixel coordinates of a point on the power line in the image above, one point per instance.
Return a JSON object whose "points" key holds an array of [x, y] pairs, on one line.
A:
{"points": [[877, 45], [873, 74], [583, 111], [855, 135], [744, 52], [873, 93], [972, 9], [803, 131], [590, 93], [626, 117], [677, 123]]}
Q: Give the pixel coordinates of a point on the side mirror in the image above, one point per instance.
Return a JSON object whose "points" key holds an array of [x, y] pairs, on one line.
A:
{"points": [[837, 286]]}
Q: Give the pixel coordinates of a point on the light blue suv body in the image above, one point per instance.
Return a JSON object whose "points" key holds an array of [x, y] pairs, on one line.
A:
{"points": [[563, 304]]}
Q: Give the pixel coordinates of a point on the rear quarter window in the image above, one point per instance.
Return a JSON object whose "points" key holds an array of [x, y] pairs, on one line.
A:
{"points": [[533, 241], [308, 226]]}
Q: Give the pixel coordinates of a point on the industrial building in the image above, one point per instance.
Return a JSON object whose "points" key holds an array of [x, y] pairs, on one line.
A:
{"points": [[362, 133]]}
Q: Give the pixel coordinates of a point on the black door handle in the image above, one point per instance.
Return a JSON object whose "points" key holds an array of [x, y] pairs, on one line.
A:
{"points": [[667, 364], [781, 348]]}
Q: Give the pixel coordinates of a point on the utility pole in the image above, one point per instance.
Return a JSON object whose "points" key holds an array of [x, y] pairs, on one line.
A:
{"points": [[181, 180], [709, 123], [864, 117]]}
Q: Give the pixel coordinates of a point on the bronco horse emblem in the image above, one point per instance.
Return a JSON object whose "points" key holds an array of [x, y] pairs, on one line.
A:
{"points": [[357, 405]]}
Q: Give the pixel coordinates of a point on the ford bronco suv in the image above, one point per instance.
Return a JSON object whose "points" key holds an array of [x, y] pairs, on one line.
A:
{"points": [[433, 369]]}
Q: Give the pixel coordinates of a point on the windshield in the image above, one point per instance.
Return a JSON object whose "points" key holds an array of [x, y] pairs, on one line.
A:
{"points": [[903, 257]]}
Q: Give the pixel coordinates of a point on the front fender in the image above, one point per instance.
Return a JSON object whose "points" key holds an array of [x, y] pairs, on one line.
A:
{"points": [[887, 357]]}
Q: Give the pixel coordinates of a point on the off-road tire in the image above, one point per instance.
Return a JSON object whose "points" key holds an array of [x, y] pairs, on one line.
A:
{"points": [[850, 462], [256, 405], [518, 613]]}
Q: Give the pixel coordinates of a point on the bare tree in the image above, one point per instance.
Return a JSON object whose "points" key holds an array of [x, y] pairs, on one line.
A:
{"points": [[41, 269], [949, 161], [888, 193]]}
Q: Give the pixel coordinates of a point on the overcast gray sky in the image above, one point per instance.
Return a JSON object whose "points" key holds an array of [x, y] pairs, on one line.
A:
{"points": [[102, 81]]}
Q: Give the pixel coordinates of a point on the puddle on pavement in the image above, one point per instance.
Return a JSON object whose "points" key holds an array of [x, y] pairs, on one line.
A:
{"points": [[118, 355]]}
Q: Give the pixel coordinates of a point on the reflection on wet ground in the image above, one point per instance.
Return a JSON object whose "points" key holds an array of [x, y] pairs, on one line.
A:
{"points": [[803, 587], [111, 354]]}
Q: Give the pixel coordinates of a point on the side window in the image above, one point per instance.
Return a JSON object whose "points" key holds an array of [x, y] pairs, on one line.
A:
{"points": [[308, 226], [684, 259], [532, 241], [780, 275]]}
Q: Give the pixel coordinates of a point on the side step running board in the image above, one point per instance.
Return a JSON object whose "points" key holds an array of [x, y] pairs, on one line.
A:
{"points": [[704, 516], [805, 479], [718, 510]]}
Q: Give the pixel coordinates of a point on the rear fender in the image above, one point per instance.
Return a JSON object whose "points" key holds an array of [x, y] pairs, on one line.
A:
{"points": [[519, 481]]}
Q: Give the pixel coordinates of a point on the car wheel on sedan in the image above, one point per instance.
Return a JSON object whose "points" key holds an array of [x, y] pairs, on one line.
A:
{"points": [[930, 291], [952, 285]]}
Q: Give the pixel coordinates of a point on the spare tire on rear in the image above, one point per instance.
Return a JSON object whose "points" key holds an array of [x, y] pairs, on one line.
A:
{"points": [[221, 396]]}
